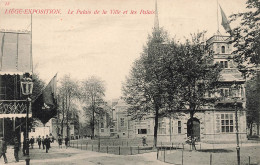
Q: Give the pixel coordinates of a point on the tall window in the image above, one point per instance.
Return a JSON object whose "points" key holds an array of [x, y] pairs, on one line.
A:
{"points": [[162, 127], [225, 92], [227, 123], [122, 122], [223, 49], [102, 125], [179, 127]]}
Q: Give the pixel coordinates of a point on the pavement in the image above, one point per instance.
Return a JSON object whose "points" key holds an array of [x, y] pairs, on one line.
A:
{"points": [[72, 156]]}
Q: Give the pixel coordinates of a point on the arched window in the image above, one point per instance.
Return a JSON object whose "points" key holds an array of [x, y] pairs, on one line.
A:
{"points": [[223, 49]]}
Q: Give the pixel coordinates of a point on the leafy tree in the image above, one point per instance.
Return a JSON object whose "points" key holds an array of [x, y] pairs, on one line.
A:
{"points": [[169, 75], [151, 87], [253, 102], [199, 75], [246, 37], [92, 94]]}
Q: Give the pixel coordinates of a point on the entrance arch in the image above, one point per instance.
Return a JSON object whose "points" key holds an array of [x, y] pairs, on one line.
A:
{"points": [[195, 130]]}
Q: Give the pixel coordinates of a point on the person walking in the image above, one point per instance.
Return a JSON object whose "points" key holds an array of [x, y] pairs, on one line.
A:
{"points": [[43, 141], [16, 149], [66, 141], [39, 141], [60, 141], [32, 142], [47, 142], [3, 148]]}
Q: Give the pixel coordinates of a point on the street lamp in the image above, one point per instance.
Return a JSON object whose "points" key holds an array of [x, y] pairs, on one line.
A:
{"points": [[27, 86], [235, 91]]}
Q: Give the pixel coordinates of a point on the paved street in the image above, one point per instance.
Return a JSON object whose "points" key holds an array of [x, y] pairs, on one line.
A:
{"points": [[70, 156]]}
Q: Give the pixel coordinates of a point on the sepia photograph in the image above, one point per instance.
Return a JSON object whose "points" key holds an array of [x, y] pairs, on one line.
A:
{"points": [[130, 82]]}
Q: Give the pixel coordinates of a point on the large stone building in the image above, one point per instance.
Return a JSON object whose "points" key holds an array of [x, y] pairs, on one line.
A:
{"points": [[214, 122]]}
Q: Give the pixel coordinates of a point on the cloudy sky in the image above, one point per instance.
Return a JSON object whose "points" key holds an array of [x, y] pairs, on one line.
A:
{"points": [[106, 45]]}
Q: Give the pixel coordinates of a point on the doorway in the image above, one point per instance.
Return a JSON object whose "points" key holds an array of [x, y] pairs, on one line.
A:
{"points": [[195, 130]]}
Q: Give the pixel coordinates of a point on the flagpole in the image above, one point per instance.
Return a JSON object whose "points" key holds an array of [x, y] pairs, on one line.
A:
{"points": [[217, 17], [31, 46]]}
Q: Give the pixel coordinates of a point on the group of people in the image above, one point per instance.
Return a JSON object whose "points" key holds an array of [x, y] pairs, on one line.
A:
{"points": [[3, 149], [45, 142], [66, 141]]}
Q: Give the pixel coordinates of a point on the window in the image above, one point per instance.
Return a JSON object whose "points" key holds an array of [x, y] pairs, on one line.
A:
{"points": [[162, 127], [102, 125], [122, 122], [179, 127], [111, 130], [223, 49], [226, 64], [102, 130], [224, 92], [142, 131], [227, 124], [222, 64]]}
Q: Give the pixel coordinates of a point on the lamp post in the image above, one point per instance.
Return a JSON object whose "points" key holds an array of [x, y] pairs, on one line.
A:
{"points": [[235, 90], [27, 86]]}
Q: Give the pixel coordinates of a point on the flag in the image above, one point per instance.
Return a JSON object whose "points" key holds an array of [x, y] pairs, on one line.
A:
{"points": [[225, 22], [45, 106]]}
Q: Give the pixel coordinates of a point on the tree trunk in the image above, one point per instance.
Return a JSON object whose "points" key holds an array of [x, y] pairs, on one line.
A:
{"points": [[191, 129], [93, 123], [156, 125], [251, 129]]}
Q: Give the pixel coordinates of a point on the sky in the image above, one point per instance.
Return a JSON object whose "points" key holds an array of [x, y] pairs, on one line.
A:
{"points": [[106, 45]]}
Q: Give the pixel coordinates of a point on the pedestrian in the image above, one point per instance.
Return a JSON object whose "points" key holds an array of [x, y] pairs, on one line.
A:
{"points": [[16, 149], [144, 141], [47, 142], [67, 141], [32, 142], [3, 148], [39, 141], [60, 141], [43, 145]]}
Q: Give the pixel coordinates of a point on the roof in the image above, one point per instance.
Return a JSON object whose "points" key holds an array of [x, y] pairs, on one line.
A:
{"points": [[231, 74], [15, 53]]}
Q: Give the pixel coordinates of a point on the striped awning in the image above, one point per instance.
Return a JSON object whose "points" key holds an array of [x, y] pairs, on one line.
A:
{"points": [[15, 53]]}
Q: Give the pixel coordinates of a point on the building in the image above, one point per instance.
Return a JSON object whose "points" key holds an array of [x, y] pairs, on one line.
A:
{"points": [[214, 122], [15, 63]]}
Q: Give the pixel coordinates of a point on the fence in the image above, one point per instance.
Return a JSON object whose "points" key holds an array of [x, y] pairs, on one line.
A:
{"points": [[111, 147], [184, 155]]}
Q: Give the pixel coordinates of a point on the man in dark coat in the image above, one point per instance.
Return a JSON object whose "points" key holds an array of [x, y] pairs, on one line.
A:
{"points": [[43, 145], [32, 142], [60, 141], [39, 141], [67, 141], [47, 142], [3, 148], [16, 149]]}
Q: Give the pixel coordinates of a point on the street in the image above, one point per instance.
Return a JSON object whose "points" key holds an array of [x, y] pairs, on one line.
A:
{"points": [[70, 156]]}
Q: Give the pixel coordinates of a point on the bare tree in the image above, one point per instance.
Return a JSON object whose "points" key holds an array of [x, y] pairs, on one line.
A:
{"points": [[68, 93], [93, 92]]}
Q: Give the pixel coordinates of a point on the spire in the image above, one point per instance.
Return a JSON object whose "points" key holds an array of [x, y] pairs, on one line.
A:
{"points": [[156, 20]]}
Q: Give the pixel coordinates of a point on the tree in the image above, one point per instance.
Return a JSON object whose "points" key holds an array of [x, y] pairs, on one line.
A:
{"points": [[168, 76], [246, 37], [151, 87], [246, 40], [68, 92], [253, 103], [199, 75], [92, 94]]}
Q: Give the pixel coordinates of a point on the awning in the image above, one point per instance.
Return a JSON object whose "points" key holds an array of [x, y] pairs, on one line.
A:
{"points": [[15, 53], [14, 115]]}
